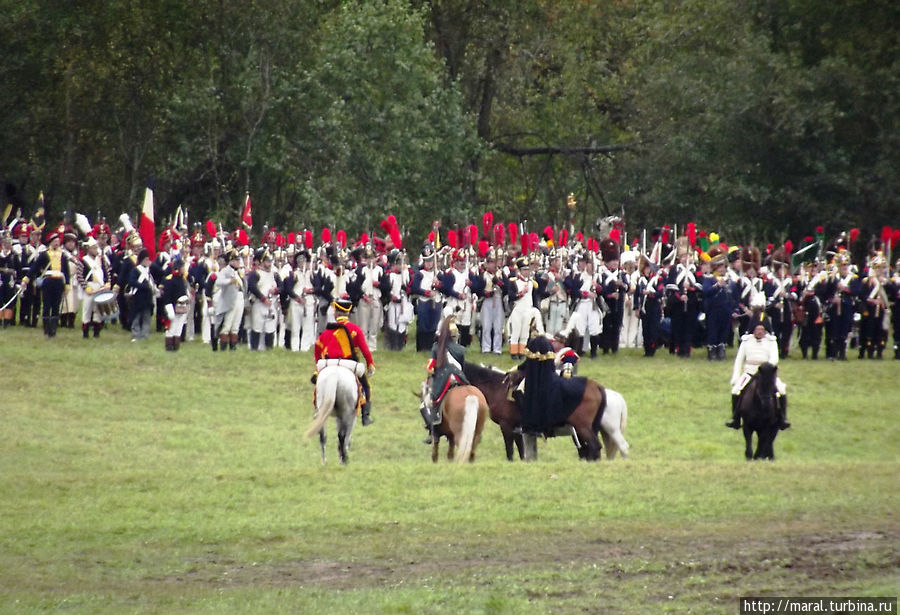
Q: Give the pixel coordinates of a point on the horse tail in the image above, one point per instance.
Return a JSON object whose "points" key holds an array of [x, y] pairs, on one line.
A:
{"points": [[326, 392], [623, 420], [467, 435]]}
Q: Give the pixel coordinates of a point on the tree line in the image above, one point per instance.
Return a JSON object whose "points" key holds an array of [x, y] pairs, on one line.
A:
{"points": [[756, 118]]}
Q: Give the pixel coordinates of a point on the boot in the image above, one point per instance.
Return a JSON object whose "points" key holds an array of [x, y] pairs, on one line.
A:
{"points": [[45, 322], [595, 343], [169, 345], [287, 339], [735, 422], [97, 327], [176, 343], [84, 330], [254, 340], [815, 353], [53, 325], [862, 353], [365, 410], [232, 341], [213, 339], [842, 353], [721, 352], [897, 353], [782, 413], [269, 341], [429, 425], [803, 351], [712, 353]]}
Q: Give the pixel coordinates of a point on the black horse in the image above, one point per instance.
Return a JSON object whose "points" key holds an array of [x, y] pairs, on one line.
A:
{"points": [[758, 407]]}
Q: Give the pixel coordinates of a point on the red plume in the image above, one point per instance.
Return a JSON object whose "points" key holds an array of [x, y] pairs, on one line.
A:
{"points": [[665, 234], [548, 233], [308, 239], [563, 237], [341, 238], [593, 245], [579, 237], [473, 234], [616, 235], [392, 220], [451, 239], [702, 234], [525, 243], [886, 233], [211, 228], [513, 229], [279, 240], [788, 247], [431, 236], [895, 238], [395, 237], [487, 223], [483, 247], [692, 233], [363, 239], [499, 234], [820, 229], [535, 240], [292, 237], [854, 234], [326, 235], [807, 239], [242, 238], [769, 248], [385, 226]]}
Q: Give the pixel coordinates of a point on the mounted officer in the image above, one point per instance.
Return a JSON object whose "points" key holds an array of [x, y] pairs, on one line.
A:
{"points": [[448, 359]]}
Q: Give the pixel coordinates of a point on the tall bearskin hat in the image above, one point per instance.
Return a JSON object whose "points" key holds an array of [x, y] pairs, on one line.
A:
{"points": [[718, 255], [750, 258], [609, 249]]}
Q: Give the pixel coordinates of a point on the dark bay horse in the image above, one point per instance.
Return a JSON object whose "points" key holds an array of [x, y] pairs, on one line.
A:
{"points": [[585, 420], [758, 407]]}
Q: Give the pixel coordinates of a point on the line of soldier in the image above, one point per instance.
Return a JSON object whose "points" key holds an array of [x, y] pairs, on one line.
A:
{"points": [[596, 297]]}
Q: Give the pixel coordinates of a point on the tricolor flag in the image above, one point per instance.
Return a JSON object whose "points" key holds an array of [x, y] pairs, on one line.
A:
{"points": [[247, 215], [147, 227]]}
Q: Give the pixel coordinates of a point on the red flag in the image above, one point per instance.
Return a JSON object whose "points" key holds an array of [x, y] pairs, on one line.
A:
{"points": [[147, 227], [247, 215]]}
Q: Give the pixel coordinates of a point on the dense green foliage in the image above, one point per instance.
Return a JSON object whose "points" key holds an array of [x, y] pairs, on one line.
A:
{"points": [[759, 118], [140, 481]]}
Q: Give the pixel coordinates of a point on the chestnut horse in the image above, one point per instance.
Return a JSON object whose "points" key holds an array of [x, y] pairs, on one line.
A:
{"points": [[463, 410]]}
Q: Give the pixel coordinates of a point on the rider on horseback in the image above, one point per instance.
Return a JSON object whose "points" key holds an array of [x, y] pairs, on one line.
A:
{"points": [[448, 358], [341, 340], [757, 347]]}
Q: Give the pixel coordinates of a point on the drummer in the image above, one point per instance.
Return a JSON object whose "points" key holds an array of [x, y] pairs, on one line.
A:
{"points": [[176, 302], [93, 275]]}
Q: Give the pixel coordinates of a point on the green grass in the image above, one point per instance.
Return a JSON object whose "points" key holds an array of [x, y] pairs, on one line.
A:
{"points": [[135, 480]]}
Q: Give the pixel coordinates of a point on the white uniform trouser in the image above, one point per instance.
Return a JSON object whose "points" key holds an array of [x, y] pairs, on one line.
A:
{"points": [[461, 307], [492, 323], [301, 319], [630, 335], [204, 317], [738, 386], [229, 323], [88, 313], [520, 320], [370, 320], [590, 322], [399, 315], [557, 314], [176, 324], [264, 318]]}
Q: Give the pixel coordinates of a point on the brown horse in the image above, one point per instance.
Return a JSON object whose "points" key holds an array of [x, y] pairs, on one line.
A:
{"points": [[463, 410], [758, 407], [585, 420]]}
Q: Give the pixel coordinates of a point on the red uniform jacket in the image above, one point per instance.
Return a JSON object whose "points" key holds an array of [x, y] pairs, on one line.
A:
{"points": [[333, 343]]}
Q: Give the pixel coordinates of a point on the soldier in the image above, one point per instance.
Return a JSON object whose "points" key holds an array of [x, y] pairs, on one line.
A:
{"points": [[50, 272], [445, 372], [683, 297], [612, 287], [523, 313], [30, 299], [558, 299], [780, 299], [399, 309], [809, 314], [588, 325], [93, 276], [144, 292], [425, 287], [757, 347], [630, 336], [456, 285], [9, 269], [300, 327], [72, 296], [369, 308], [343, 339], [160, 269], [651, 293], [718, 297], [892, 289], [128, 262], [176, 303], [263, 288], [228, 301], [323, 286], [751, 285], [839, 294], [489, 287], [873, 306]]}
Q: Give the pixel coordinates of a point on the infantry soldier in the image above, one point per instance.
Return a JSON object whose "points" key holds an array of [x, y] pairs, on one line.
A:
{"points": [[300, 332], [718, 296], [809, 314], [456, 285], [612, 287], [588, 324], [369, 308], [323, 284], [558, 299], [780, 299], [176, 303], [30, 299], [228, 301], [263, 287], [50, 272], [650, 293], [631, 330], [520, 294], [144, 292], [394, 288], [892, 289], [93, 276], [838, 294], [873, 307], [72, 296], [683, 299], [9, 269], [425, 287]]}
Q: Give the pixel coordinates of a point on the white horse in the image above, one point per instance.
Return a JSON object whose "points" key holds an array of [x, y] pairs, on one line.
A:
{"points": [[613, 423], [337, 392]]}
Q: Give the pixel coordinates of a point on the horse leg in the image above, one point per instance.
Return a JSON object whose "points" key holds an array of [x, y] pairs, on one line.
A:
{"points": [[342, 445], [748, 440], [608, 445], [508, 443], [434, 447], [322, 439], [451, 447]]}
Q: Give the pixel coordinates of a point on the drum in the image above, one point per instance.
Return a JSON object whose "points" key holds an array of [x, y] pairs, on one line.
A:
{"points": [[105, 304], [182, 305]]}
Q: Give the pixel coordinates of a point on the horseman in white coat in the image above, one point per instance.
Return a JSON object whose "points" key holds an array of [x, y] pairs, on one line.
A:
{"points": [[757, 347]]}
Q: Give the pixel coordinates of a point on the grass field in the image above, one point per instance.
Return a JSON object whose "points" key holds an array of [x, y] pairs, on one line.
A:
{"points": [[138, 481]]}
